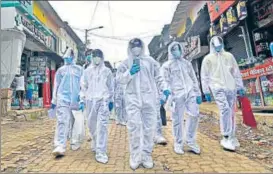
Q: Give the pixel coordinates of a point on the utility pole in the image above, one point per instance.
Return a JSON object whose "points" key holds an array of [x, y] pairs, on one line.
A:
{"points": [[85, 42], [86, 34]]}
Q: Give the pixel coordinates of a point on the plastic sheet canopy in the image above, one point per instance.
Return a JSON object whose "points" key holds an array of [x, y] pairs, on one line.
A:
{"points": [[12, 45]]}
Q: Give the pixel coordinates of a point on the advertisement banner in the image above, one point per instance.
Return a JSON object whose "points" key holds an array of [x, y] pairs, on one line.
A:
{"points": [[216, 8], [191, 47], [260, 70]]}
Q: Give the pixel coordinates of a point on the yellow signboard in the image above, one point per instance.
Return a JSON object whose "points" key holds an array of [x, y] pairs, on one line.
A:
{"points": [[39, 13]]}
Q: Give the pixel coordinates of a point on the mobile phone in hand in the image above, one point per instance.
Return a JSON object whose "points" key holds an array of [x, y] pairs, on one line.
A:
{"points": [[137, 61]]}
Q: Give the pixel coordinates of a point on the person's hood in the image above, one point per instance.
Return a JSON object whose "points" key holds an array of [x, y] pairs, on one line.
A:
{"points": [[69, 53], [170, 56], [212, 50], [130, 54], [101, 62]]}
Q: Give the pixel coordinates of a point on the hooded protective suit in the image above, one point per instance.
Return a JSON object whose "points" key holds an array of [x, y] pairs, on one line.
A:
{"points": [[159, 139], [179, 76], [140, 102], [97, 89], [221, 74], [120, 103], [66, 97]]}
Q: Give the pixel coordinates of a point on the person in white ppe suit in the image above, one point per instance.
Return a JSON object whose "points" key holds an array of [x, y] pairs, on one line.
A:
{"points": [[121, 118], [88, 57], [159, 138], [65, 99], [220, 74], [140, 74], [179, 76], [97, 89]]}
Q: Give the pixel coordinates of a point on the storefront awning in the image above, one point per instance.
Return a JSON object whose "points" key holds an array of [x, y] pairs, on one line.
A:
{"points": [[33, 44]]}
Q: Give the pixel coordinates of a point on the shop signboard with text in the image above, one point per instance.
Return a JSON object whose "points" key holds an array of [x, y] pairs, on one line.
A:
{"points": [[257, 71], [34, 30], [191, 47], [26, 5], [37, 68], [216, 8]]}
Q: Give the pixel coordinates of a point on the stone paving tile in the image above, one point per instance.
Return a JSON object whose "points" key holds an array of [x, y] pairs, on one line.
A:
{"points": [[27, 146]]}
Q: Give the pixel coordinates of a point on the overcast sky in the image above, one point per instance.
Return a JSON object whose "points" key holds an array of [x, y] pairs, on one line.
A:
{"points": [[129, 19]]}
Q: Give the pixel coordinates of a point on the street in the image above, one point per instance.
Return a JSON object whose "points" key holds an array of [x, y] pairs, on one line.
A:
{"points": [[27, 147]]}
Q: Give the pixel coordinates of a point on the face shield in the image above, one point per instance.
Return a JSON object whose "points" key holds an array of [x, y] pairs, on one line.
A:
{"points": [[68, 56], [136, 47], [88, 56], [176, 51], [217, 44], [97, 56]]}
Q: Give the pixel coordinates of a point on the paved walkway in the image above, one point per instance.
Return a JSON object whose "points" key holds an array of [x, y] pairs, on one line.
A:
{"points": [[27, 146]]}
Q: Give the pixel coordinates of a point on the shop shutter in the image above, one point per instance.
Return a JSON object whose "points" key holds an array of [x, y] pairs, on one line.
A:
{"points": [[236, 44]]}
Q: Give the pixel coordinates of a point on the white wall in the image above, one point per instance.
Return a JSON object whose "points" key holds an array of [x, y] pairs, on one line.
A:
{"points": [[8, 18]]}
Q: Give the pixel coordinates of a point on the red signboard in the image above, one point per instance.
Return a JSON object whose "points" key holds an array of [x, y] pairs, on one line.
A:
{"points": [[216, 8], [46, 90], [257, 71]]}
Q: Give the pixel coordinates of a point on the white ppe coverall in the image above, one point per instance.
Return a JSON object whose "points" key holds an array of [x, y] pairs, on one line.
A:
{"points": [[66, 97], [179, 76], [220, 74], [141, 102], [97, 91], [158, 129], [120, 103]]}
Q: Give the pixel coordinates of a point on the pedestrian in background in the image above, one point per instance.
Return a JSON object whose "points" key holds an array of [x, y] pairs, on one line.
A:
{"points": [[30, 88], [20, 89]]}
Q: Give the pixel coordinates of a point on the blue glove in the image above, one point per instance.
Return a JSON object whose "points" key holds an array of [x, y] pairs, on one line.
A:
{"points": [[167, 93], [81, 107], [208, 97], [199, 100], [135, 68], [53, 106], [162, 102], [241, 92], [111, 106]]}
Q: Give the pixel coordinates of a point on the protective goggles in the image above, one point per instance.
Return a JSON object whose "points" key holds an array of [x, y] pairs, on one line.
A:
{"points": [[135, 43], [97, 53]]}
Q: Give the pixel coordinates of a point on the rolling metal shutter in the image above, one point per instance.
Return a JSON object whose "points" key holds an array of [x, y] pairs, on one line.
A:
{"points": [[235, 44]]}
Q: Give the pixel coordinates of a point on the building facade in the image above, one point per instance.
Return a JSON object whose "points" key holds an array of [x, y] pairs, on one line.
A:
{"points": [[47, 37]]}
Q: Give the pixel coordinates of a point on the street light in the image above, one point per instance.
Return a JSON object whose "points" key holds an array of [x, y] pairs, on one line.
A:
{"points": [[86, 33]]}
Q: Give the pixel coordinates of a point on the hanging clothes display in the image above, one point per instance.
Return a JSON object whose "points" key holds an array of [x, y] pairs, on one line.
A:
{"points": [[223, 24], [231, 17], [241, 10]]}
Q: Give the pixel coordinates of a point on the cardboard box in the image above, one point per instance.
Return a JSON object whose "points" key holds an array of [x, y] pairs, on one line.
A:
{"points": [[6, 93]]}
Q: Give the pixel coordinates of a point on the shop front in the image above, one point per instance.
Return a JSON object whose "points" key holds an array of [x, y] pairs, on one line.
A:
{"points": [[258, 77], [258, 82], [38, 39], [228, 20]]}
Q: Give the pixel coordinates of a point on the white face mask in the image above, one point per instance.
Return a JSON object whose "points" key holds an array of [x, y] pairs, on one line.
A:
{"points": [[136, 51], [96, 60]]}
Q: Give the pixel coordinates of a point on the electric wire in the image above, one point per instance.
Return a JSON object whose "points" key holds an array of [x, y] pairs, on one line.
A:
{"points": [[93, 16], [110, 17]]}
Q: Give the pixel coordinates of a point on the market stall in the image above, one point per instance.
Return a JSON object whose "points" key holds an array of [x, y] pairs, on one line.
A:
{"points": [[258, 82]]}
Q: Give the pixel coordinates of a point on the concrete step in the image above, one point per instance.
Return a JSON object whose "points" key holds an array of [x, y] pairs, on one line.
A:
{"points": [[26, 115]]}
